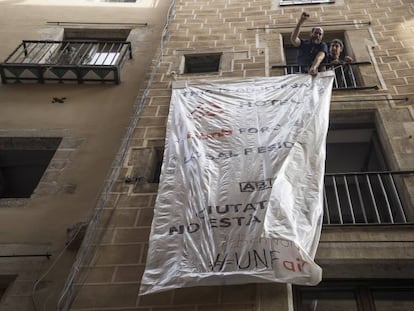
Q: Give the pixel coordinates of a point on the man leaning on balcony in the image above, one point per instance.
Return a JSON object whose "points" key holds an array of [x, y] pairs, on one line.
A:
{"points": [[311, 52]]}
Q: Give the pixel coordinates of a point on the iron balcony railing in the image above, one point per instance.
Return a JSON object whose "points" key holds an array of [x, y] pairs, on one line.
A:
{"points": [[346, 77], [367, 198], [74, 61]]}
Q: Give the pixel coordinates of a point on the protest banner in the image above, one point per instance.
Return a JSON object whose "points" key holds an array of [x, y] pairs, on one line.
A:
{"points": [[240, 198]]}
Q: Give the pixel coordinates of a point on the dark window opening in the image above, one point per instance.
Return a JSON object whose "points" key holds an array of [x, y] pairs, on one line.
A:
{"points": [[154, 176], [359, 188], [354, 148], [147, 163], [202, 63], [5, 282], [23, 161], [356, 295], [397, 299]]}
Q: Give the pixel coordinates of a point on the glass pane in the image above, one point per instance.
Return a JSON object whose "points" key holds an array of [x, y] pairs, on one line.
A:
{"points": [[328, 301], [103, 58], [394, 300]]}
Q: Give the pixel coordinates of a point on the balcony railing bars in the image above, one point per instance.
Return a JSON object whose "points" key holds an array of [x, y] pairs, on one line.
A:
{"points": [[66, 61], [345, 74], [365, 198], [71, 53]]}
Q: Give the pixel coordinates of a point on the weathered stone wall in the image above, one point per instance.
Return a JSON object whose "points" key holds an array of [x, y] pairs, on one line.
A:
{"points": [[250, 33], [91, 120]]}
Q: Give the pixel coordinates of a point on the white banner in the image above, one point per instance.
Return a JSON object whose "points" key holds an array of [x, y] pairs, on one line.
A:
{"points": [[240, 194]]}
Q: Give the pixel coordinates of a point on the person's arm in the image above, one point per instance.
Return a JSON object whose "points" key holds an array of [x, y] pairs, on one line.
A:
{"points": [[316, 62], [319, 58], [294, 37], [348, 59]]}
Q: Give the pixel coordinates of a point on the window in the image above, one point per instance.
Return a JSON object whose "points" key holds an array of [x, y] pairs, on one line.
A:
{"points": [[5, 281], [359, 189], [353, 147], [357, 295], [294, 2], [346, 76], [395, 299], [291, 51], [202, 63], [22, 164], [207, 60], [146, 168], [107, 49]]}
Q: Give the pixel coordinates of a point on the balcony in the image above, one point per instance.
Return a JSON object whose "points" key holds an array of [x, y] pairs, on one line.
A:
{"points": [[367, 198], [66, 62], [346, 75]]}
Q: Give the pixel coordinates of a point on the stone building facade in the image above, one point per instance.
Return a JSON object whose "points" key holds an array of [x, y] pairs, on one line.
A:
{"points": [[60, 138], [367, 254]]}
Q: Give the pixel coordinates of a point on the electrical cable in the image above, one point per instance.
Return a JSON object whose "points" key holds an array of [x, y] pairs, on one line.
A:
{"points": [[313, 25], [370, 100], [114, 173], [96, 23], [51, 267]]}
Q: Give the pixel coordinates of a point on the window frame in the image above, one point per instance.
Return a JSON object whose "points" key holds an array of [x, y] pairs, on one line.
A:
{"points": [[360, 77], [363, 290], [21, 153], [191, 56], [146, 164], [93, 56], [50, 182], [5, 282], [367, 123]]}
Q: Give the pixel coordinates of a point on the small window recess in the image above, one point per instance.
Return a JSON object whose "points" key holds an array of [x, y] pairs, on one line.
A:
{"points": [[146, 171], [5, 282], [183, 62], [157, 164], [23, 161], [202, 63]]}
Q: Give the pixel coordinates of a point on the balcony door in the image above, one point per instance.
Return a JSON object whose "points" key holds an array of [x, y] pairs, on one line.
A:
{"points": [[359, 188]]}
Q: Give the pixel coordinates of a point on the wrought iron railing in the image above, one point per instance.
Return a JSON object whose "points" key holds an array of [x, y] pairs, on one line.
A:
{"points": [[366, 198], [79, 61], [346, 77]]}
